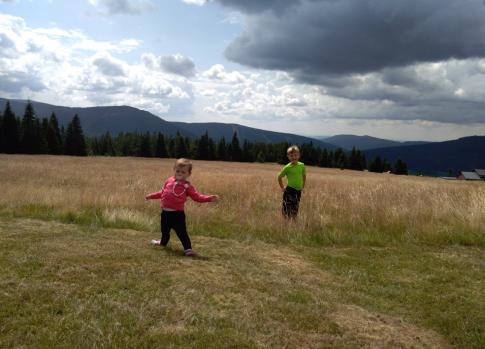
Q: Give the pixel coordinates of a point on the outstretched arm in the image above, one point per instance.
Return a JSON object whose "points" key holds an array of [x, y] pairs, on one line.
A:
{"points": [[196, 196], [155, 195]]}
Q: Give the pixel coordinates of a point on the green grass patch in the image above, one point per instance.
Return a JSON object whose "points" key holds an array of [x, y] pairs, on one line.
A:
{"points": [[441, 289], [67, 285]]}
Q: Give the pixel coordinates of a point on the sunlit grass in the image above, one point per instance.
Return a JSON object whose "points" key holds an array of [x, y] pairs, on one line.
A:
{"points": [[374, 261], [338, 207]]}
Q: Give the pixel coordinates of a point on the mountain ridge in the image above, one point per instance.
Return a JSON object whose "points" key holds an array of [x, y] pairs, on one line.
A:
{"points": [[116, 119], [462, 154], [365, 142]]}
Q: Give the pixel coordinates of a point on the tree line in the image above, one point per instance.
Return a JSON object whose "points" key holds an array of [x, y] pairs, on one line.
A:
{"points": [[33, 135]]}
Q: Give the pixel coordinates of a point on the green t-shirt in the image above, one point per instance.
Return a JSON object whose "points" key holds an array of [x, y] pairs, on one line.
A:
{"points": [[295, 174]]}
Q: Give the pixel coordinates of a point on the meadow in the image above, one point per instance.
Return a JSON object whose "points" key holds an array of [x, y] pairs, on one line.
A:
{"points": [[374, 260]]}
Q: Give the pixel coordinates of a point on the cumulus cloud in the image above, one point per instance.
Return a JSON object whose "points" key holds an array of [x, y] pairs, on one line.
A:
{"points": [[317, 38], [233, 95], [69, 68], [195, 2], [115, 7], [7, 46], [108, 65], [16, 81], [218, 72], [174, 64]]}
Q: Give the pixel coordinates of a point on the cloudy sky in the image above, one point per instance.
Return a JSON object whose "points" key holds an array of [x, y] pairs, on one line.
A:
{"points": [[401, 69]]}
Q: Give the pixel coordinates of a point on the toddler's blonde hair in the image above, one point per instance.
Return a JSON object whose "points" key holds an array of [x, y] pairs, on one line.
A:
{"points": [[182, 162]]}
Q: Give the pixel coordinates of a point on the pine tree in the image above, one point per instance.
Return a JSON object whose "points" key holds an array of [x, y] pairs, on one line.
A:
{"points": [[63, 140], [211, 149], [281, 156], [355, 160], [400, 167], [339, 159], [171, 147], [181, 150], [93, 146], [376, 165], [2, 135], [386, 166], [221, 153], [75, 143], [202, 147], [363, 162], [260, 157], [235, 148], [145, 149], [106, 145], [42, 132], [324, 160], [160, 148], [247, 152], [125, 144], [53, 136], [29, 136]]}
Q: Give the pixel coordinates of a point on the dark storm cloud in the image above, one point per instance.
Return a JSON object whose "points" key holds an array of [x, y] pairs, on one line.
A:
{"points": [[318, 39]]}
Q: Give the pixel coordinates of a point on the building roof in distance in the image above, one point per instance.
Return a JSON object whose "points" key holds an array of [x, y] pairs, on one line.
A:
{"points": [[470, 175]]}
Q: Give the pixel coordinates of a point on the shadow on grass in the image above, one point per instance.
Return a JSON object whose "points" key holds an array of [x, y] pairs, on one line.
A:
{"points": [[179, 253]]}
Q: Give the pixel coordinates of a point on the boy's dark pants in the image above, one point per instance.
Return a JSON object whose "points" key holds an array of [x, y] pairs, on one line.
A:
{"points": [[291, 202], [174, 220]]}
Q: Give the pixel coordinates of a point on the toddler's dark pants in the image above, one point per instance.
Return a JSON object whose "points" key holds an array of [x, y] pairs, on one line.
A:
{"points": [[174, 220], [291, 202]]}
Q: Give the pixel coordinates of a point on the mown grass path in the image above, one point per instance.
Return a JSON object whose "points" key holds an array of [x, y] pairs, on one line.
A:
{"points": [[66, 285]]}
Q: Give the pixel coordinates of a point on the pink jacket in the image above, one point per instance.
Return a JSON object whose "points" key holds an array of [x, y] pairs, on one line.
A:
{"points": [[174, 194]]}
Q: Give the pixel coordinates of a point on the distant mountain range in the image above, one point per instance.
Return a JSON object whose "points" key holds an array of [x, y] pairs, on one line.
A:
{"points": [[364, 142], [96, 121], [462, 154], [429, 158]]}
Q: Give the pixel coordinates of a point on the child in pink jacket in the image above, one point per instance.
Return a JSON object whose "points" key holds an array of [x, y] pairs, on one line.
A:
{"points": [[172, 199]]}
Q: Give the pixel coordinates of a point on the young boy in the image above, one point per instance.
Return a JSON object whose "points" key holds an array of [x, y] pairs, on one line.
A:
{"points": [[296, 174]]}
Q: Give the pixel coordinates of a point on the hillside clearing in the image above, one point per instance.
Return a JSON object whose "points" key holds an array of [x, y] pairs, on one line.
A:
{"points": [[375, 261], [63, 286]]}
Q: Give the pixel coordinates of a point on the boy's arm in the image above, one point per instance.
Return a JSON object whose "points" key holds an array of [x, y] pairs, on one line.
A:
{"points": [[303, 177], [280, 182], [280, 178], [196, 196]]}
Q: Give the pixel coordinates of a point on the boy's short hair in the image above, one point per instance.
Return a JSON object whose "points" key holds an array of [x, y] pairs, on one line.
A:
{"points": [[292, 149], [182, 162]]}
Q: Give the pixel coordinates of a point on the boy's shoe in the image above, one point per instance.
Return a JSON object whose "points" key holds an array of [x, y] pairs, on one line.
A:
{"points": [[155, 242], [189, 253]]}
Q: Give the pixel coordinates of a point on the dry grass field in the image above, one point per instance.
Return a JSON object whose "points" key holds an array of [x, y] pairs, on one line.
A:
{"points": [[374, 260]]}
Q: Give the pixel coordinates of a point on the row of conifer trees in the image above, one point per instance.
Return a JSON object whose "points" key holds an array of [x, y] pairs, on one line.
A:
{"points": [[33, 135]]}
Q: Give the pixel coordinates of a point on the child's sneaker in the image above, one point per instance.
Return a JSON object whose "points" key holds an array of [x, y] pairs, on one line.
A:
{"points": [[189, 253], [155, 242]]}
